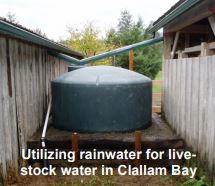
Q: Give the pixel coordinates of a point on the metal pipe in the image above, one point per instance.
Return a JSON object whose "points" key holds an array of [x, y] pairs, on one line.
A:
{"points": [[43, 144], [65, 57], [107, 54]]}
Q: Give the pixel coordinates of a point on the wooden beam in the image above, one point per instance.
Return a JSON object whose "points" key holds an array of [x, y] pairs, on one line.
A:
{"points": [[197, 29], [137, 140], [175, 44], [211, 20], [75, 139], [131, 60], [204, 48], [192, 49]]}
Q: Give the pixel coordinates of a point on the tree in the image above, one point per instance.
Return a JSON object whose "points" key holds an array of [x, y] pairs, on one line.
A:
{"points": [[11, 17], [147, 60], [88, 42], [40, 32]]}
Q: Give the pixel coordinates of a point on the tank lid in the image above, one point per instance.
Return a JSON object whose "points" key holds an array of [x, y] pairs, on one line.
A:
{"points": [[102, 75]]}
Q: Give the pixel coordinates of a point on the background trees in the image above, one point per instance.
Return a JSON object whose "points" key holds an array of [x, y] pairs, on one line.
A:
{"points": [[148, 59], [88, 41]]}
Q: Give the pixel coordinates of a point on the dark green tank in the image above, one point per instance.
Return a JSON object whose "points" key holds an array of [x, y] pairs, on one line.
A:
{"points": [[101, 99]]}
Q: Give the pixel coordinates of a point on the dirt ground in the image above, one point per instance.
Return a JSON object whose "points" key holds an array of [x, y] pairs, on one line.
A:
{"points": [[97, 181]]}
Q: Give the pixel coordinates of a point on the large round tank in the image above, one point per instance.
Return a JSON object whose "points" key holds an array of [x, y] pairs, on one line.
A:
{"points": [[101, 99]]}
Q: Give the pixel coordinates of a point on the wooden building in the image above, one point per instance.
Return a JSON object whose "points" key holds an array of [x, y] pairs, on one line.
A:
{"points": [[26, 69], [188, 101]]}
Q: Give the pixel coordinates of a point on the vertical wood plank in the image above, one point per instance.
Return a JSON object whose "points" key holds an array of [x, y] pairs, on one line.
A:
{"points": [[6, 109], [13, 117], [188, 100], [2, 134], [195, 104], [210, 116], [202, 106], [183, 98], [178, 95]]}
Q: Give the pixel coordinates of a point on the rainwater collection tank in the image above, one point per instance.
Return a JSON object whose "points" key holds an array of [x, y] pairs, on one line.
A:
{"points": [[101, 99]]}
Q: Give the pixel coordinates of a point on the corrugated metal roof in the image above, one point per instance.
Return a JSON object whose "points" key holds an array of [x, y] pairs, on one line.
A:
{"points": [[179, 8], [20, 32]]}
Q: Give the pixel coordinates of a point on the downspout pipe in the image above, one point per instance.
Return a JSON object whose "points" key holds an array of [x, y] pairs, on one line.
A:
{"points": [[42, 139], [107, 54]]}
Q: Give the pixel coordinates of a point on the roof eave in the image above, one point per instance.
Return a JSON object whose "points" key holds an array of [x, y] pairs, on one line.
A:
{"points": [[173, 14]]}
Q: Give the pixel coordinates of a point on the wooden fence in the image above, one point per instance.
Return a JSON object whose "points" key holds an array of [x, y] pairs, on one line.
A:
{"points": [[25, 74], [188, 102]]}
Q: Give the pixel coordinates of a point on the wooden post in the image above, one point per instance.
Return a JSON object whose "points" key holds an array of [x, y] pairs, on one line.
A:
{"points": [[137, 140], [175, 44], [204, 49], [114, 61], [167, 45], [181, 54], [131, 60], [75, 138]]}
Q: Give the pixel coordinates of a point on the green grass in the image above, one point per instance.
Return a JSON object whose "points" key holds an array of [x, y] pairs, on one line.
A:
{"points": [[158, 76], [157, 88]]}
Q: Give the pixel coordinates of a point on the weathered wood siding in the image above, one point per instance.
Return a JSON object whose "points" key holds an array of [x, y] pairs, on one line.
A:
{"points": [[25, 74], [189, 103]]}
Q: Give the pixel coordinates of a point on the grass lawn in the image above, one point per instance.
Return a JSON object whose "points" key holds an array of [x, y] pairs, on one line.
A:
{"points": [[158, 76], [157, 88]]}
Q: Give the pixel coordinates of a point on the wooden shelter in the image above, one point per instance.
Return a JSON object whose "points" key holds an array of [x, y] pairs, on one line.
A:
{"points": [[188, 101], [26, 69]]}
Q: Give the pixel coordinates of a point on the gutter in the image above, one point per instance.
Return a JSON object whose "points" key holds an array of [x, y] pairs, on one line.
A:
{"points": [[172, 15]]}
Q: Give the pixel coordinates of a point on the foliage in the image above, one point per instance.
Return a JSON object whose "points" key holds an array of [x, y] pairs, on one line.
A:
{"points": [[40, 32], [87, 41], [11, 17], [148, 59], [195, 182]]}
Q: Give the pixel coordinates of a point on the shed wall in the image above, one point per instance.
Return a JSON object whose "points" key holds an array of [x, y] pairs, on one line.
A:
{"points": [[25, 74]]}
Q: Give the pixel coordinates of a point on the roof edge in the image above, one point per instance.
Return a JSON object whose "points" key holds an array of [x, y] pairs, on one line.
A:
{"points": [[24, 34], [173, 14]]}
